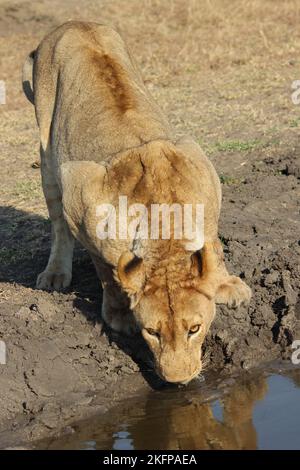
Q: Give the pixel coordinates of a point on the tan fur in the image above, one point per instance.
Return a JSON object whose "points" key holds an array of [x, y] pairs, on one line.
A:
{"points": [[103, 136]]}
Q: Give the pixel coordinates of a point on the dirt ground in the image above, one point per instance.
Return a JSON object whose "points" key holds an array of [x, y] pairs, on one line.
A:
{"points": [[222, 70]]}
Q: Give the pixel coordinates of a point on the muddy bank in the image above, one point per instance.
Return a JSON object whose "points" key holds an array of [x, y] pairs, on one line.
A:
{"points": [[260, 229], [57, 360]]}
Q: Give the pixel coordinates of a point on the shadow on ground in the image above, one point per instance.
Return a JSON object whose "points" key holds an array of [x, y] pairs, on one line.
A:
{"points": [[24, 250]]}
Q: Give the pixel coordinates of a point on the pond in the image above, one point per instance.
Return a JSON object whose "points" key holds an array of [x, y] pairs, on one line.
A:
{"points": [[257, 410]]}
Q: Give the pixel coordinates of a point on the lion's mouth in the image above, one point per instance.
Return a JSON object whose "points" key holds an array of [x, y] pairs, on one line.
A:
{"points": [[194, 376], [185, 381]]}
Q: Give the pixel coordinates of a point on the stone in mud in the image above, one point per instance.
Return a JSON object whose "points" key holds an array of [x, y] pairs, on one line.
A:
{"points": [[271, 278]]}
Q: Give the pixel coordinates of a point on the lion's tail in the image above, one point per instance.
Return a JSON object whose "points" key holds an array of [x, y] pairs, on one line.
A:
{"points": [[27, 77]]}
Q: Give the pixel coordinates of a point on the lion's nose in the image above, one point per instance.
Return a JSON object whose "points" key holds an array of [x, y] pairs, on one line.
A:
{"points": [[175, 367]]}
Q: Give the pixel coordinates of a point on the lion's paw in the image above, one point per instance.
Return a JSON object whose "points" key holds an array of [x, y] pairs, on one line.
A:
{"points": [[233, 292], [49, 280], [121, 321]]}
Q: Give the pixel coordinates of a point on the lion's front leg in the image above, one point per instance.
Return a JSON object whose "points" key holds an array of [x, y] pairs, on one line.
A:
{"points": [[116, 312]]}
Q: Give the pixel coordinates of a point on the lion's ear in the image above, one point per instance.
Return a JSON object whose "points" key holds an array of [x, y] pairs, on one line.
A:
{"points": [[82, 183], [196, 264], [204, 262], [131, 274]]}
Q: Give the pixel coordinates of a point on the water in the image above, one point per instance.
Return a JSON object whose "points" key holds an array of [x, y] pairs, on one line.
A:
{"points": [[260, 410]]}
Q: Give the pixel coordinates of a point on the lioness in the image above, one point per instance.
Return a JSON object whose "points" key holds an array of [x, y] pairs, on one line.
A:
{"points": [[103, 136]]}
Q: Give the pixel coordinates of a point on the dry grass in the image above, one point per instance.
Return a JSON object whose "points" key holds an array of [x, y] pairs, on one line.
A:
{"points": [[221, 69]]}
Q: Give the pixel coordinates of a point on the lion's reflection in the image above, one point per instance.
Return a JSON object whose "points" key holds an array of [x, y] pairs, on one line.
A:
{"points": [[195, 426]]}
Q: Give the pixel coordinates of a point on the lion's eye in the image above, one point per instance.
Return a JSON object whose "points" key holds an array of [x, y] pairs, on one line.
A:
{"points": [[153, 332], [194, 329]]}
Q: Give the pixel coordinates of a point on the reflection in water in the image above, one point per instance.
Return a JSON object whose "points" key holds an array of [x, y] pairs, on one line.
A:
{"points": [[222, 424], [245, 415], [122, 440]]}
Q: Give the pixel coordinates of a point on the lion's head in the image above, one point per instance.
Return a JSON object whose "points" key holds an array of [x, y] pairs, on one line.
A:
{"points": [[174, 314]]}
